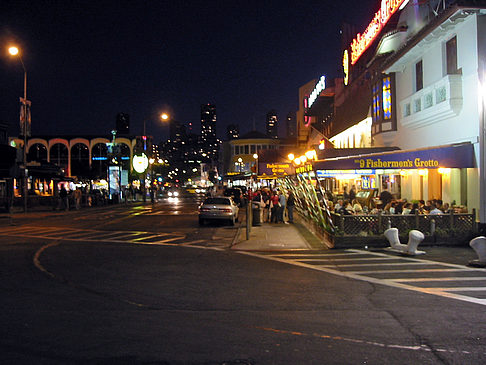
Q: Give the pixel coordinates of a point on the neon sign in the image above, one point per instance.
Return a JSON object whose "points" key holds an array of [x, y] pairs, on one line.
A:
{"points": [[363, 41], [140, 163], [321, 85], [346, 67]]}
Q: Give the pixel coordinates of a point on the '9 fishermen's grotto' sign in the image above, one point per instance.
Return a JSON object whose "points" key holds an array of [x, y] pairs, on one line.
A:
{"points": [[458, 156]]}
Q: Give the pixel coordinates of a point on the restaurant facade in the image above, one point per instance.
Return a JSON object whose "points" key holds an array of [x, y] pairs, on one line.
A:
{"points": [[412, 81]]}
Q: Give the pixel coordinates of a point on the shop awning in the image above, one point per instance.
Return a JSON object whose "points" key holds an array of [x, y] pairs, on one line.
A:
{"points": [[450, 156]]}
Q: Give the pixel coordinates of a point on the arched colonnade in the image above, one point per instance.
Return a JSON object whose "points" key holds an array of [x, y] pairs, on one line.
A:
{"points": [[64, 152]]}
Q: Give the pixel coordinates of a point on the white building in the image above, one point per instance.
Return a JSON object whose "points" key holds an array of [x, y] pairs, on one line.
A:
{"points": [[437, 70], [417, 71]]}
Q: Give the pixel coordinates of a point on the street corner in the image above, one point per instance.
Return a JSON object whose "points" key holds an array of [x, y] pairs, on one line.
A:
{"points": [[270, 237]]}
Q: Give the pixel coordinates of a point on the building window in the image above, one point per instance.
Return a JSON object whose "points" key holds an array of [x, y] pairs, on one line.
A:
{"points": [[417, 105], [451, 56], [428, 100], [440, 94], [419, 76], [407, 110], [246, 149], [383, 105], [376, 102], [387, 103]]}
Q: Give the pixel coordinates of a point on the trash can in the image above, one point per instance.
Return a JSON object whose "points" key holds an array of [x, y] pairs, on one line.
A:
{"points": [[256, 214]]}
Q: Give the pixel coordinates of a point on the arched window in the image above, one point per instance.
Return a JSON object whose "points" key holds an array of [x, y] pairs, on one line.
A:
{"points": [[99, 160], [80, 160], [59, 155], [37, 152]]}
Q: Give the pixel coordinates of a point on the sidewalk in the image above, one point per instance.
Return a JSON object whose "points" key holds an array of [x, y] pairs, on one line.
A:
{"points": [[276, 237], [272, 237]]}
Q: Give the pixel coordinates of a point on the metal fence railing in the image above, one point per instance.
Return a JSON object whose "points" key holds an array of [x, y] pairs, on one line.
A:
{"points": [[453, 223]]}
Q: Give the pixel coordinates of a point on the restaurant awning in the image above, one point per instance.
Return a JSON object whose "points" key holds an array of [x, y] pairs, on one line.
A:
{"points": [[449, 156]]}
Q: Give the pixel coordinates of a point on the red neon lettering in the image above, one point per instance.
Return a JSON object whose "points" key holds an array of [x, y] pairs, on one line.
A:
{"points": [[382, 16]]}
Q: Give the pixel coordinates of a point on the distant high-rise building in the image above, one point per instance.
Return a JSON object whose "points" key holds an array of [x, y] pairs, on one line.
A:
{"points": [[291, 125], [208, 123], [209, 142], [177, 130], [123, 123], [232, 132], [272, 120]]}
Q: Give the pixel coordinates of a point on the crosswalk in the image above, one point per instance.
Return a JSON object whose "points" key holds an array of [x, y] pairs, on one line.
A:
{"points": [[417, 274], [91, 235], [142, 212]]}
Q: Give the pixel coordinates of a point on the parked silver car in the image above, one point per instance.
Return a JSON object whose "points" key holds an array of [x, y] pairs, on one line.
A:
{"points": [[218, 208]]}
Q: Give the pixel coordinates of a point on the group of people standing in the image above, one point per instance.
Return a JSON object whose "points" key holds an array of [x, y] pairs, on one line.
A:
{"points": [[274, 204]]}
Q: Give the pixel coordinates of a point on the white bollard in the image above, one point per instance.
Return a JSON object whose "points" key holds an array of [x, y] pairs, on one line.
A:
{"points": [[391, 235], [478, 244], [414, 239]]}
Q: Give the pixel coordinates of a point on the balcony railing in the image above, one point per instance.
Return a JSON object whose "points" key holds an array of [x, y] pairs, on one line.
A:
{"points": [[433, 103]]}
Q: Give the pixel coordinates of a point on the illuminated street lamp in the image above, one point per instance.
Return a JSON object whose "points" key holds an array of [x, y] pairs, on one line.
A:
{"points": [[255, 156], [14, 51], [240, 162], [164, 117]]}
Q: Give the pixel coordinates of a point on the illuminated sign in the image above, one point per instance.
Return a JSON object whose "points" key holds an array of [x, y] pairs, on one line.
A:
{"points": [[363, 41], [140, 163], [370, 163], [303, 169], [307, 119], [346, 67], [334, 173], [277, 168], [321, 85], [455, 156]]}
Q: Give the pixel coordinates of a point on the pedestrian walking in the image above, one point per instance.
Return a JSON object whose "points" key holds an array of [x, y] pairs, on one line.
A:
{"points": [[77, 198], [282, 200], [290, 207], [64, 198], [274, 208], [266, 208]]}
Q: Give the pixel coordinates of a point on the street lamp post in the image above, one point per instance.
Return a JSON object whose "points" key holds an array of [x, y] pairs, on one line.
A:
{"points": [[14, 51], [240, 162], [255, 156], [164, 117]]}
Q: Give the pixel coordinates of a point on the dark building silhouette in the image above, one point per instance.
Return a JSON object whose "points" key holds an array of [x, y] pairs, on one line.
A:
{"points": [[232, 132], [271, 124], [208, 122], [209, 142], [291, 125]]}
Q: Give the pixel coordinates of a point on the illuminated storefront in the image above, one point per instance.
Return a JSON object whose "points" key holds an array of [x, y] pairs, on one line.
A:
{"points": [[412, 175]]}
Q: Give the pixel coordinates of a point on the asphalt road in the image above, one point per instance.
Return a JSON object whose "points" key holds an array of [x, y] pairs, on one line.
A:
{"points": [[147, 285]]}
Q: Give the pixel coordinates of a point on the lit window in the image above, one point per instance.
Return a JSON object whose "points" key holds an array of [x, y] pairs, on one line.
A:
{"points": [[376, 103], [387, 109]]}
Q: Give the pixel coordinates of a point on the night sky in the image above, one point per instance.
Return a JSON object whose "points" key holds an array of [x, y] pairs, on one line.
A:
{"points": [[89, 60]]}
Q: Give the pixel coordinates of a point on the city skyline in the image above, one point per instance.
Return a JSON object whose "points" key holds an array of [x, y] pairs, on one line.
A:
{"points": [[87, 62]]}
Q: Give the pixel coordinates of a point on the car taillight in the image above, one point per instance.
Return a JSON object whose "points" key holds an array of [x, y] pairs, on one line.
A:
{"points": [[225, 210], [204, 209]]}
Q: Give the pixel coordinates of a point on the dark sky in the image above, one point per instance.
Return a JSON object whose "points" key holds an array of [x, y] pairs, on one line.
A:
{"points": [[89, 60]]}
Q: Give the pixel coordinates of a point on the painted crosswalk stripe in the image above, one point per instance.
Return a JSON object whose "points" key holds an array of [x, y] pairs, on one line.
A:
{"points": [[72, 234], [417, 280], [363, 264]]}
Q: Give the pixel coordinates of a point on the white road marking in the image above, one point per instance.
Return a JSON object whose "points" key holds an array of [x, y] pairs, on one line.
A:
{"points": [[399, 283], [90, 235]]}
